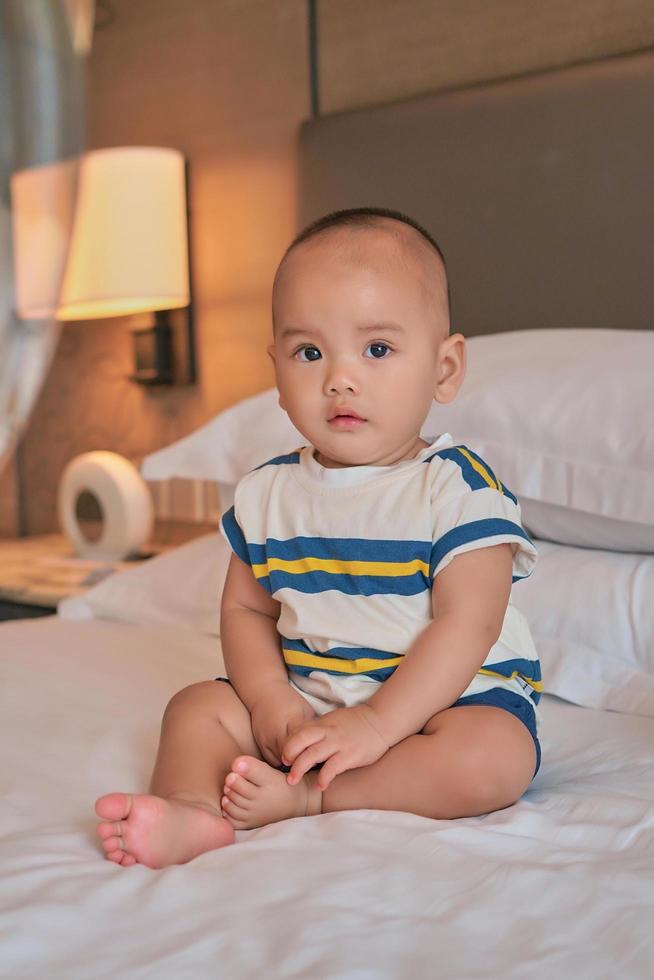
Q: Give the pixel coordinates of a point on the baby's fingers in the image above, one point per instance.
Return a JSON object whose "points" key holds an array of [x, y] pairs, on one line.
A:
{"points": [[307, 759], [299, 741], [335, 765]]}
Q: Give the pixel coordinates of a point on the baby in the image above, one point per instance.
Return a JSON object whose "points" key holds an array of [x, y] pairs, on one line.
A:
{"points": [[367, 601]]}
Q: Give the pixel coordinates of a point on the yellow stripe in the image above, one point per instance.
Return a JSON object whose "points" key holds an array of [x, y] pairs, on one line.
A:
{"points": [[483, 472], [300, 566], [537, 685], [295, 658]]}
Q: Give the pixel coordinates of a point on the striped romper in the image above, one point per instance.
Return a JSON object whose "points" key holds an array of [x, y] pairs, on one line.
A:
{"points": [[351, 555]]}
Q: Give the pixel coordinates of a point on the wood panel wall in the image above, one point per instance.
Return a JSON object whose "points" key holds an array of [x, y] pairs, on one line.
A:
{"points": [[227, 82]]}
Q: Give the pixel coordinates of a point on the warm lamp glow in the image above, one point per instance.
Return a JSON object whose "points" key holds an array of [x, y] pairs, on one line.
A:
{"points": [[129, 250], [42, 205]]}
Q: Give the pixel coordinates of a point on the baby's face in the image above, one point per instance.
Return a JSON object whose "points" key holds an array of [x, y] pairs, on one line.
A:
{"points": [[359, 326]]}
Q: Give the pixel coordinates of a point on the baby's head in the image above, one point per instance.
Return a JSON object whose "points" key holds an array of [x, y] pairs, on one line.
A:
{"points": [[361, 323]]}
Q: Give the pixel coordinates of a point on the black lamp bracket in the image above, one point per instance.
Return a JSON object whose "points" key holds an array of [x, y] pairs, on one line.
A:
{"points": [[164, 351]]}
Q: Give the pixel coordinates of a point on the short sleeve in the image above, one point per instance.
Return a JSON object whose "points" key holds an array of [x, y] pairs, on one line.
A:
{"points": [[472, 508], [231, 529], [242, 533]]}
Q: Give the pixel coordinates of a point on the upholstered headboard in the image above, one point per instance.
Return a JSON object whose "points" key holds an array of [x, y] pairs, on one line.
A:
{"points": [[540, 190]]}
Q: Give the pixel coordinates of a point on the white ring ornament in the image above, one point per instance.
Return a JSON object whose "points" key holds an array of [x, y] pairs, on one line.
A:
{"points": [[124, 499]]}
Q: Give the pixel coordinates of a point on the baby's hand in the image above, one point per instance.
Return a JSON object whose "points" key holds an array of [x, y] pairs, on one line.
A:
{"points": [[275, 717], [347, 737]]}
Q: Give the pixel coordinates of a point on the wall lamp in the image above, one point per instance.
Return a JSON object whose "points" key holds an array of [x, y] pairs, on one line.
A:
{"points": [[128, 254]]}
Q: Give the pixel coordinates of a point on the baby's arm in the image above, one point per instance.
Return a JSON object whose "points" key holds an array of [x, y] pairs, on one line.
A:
{"points": [[249, 637], [254, 661], [469, 601]]}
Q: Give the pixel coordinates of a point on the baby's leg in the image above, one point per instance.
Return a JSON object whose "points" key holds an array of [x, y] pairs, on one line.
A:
{"points": [[467, 761], [204, 727]]}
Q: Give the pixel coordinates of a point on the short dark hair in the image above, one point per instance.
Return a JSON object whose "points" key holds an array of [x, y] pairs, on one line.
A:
{"points": [[362, 217]]}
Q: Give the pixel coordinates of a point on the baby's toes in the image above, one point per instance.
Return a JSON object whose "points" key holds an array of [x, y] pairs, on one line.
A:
{"points": [[113, 829], [233, 809], [239, 784], [114, 806], [111, 844], [254, 771], [237, 799]]}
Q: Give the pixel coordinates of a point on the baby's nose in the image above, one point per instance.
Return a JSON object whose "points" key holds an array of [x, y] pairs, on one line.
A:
{"points": [[340, 386], [340, 377]]}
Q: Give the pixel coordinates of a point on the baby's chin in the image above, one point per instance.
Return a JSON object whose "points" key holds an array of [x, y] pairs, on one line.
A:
{"points": [[331, 456], [342, 449], [330, 462], [358, 456]]}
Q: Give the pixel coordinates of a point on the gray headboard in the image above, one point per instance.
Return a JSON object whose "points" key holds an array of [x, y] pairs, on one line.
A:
{"points": [[540, 190]]}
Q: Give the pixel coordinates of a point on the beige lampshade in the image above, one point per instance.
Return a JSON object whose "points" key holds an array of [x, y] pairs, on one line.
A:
{"points": [[129, 248], [43, 210]]}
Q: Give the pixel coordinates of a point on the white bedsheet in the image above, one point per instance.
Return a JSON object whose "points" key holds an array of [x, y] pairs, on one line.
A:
{"points": [[559, 885]]}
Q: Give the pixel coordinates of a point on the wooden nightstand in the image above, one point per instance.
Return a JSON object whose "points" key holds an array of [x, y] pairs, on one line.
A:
{"points": [[35, 573]]}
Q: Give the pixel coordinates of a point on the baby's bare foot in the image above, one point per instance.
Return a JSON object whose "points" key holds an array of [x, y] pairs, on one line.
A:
{"points": [[156, 832], [256, 794]]}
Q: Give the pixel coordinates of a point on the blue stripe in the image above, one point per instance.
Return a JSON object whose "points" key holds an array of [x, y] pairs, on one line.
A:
{"points": [[317, 581], [483, 462], [348, 549], [378, 675], [235, 535], [342, 653], [293, 457], [530, 669], [488, 527], [345, 549], [474, 479]]}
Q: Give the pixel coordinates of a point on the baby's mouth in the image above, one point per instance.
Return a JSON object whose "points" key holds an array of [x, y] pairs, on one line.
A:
{"points": [[346, 421]]}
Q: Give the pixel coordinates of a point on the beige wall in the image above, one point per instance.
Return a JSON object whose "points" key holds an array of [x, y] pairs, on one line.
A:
{"points": [[226, 81], [376, 51]]}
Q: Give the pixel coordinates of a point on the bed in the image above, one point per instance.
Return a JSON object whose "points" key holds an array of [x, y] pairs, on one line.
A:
{"points": [[559, 883]]}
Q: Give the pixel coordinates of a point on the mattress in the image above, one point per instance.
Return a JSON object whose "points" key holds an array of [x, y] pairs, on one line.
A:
{"points": [[560, 884]]}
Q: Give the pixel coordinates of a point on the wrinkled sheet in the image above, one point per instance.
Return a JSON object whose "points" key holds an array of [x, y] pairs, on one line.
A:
{"points": [[560, 884]]}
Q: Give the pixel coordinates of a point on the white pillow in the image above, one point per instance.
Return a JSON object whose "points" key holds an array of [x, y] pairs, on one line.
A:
{"points": [[230, 445], [592, 618], [180, 588], [563, 416], [590, 613]]}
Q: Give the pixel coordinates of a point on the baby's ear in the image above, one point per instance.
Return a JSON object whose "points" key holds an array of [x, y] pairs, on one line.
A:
{"points": [[451, 368], [272, 353]]}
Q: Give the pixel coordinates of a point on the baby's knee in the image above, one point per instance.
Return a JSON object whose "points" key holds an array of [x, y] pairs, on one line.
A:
{"points": [[485, 785], [201, 697]]}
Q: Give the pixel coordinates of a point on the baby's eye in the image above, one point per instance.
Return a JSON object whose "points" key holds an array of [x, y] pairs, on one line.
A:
{"points": [[307, 348], [378, 346]]}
